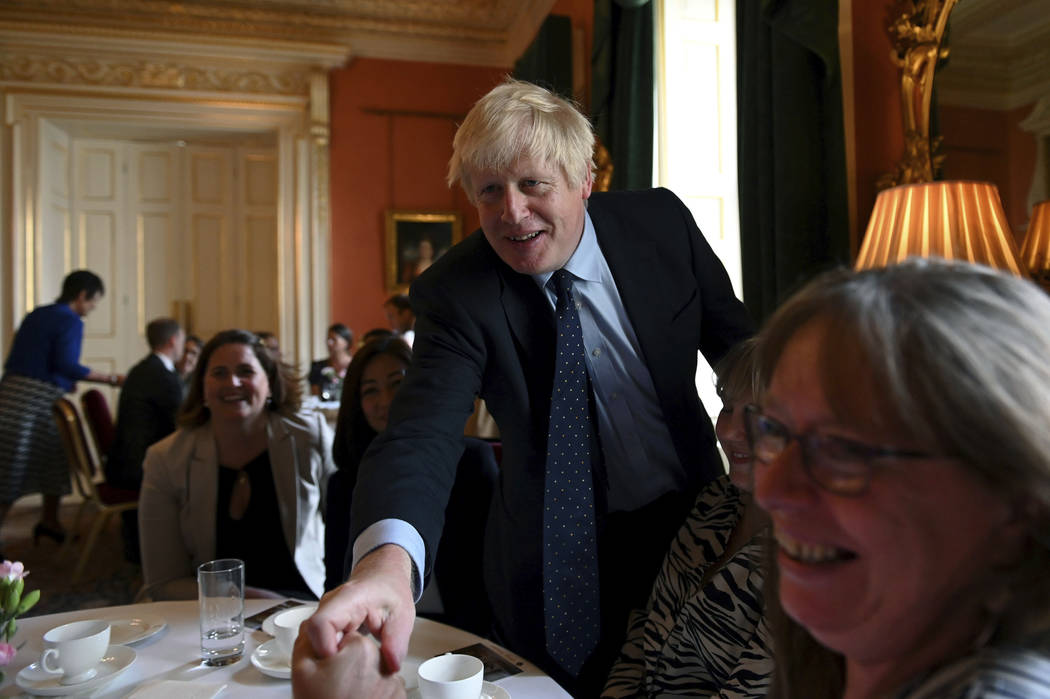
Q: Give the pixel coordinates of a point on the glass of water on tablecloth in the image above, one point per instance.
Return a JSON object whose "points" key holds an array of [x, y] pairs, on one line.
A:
{"points": [[221, 587]]}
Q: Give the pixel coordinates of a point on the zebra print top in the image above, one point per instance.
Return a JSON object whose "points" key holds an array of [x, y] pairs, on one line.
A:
{"points": [[993, 673], [710, 641]]}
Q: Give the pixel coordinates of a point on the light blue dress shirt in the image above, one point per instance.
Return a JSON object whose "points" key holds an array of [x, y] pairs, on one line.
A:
{"points": [[640, 460]]}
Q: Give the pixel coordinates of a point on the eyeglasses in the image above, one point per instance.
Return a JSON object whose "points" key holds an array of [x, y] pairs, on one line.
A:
{"points": [[838, 465]]}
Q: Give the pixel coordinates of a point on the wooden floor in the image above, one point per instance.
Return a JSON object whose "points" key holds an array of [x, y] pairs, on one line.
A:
{"points": [[108, 578]]}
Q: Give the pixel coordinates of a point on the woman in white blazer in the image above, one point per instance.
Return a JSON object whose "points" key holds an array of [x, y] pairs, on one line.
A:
{"points": [[244, 477]]}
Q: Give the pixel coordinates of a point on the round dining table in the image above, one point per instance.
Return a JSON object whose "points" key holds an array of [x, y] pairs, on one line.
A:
{"points": [[165, 638]]}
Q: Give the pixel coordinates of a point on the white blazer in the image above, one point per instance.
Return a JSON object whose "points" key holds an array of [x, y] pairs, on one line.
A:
{"points": [[177, 503]]}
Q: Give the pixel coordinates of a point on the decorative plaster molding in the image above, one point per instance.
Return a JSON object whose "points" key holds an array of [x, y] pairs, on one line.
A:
{"points": [[479, 32]]}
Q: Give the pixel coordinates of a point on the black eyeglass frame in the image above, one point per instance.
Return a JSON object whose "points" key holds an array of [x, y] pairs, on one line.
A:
{"points": [[823, 456]]}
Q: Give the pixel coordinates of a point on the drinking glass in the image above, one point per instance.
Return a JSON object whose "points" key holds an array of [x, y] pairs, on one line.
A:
{"points": [[221, 586]]}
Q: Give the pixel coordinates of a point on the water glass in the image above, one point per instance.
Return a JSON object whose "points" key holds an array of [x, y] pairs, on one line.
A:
{"points": [[221, 586]]}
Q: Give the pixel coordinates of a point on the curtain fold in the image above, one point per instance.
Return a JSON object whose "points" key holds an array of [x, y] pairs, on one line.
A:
{"points": [[622, 88], [791, 146]]}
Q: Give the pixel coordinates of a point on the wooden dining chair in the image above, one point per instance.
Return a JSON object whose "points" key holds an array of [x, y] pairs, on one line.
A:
{"points": [[88, 481], [99, 420]]}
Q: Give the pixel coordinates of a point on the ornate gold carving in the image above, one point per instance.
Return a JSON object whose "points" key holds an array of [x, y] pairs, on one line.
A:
{"points": [[140, 73], [603, 167], [916, 28]]}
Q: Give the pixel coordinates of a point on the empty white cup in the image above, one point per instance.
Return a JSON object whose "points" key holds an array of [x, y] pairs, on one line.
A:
{"points": [[451, 676], [286, 628], [75, 649]]}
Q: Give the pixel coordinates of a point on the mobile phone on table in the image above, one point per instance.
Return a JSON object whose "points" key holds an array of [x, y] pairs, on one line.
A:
{"points": [[496, 666], [255, 620]]}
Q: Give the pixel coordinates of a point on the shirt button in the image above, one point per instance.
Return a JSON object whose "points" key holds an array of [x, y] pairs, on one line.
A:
{"points": [[596, 352], [578, 305]]}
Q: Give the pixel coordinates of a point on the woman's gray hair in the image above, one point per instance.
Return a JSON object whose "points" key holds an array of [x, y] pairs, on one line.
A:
{"points": [[958, 357], [516, 119]]}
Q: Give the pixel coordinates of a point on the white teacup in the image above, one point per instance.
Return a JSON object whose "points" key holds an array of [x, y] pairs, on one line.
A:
{"points": [[75, 649], [451, 676], [286, 628]]}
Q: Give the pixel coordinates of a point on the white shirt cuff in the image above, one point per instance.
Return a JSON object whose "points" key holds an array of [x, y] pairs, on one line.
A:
{"points": [[400, 533]]}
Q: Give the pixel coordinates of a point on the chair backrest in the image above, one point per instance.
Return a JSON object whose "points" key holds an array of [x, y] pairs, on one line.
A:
{"points": [[82, 465], [99, 420]]}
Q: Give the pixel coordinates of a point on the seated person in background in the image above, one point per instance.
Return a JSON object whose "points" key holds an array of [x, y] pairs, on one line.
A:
{"points": [[244, 477], [399, 314], [270, 342], [902, 453], [146, 411], [148, 402], [185, 364], [326, 375], [374, 377], [704, 632]]}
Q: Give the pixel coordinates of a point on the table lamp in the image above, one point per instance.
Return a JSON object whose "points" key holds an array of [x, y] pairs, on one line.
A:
{"points": [[1035, 251], [956, 220]]}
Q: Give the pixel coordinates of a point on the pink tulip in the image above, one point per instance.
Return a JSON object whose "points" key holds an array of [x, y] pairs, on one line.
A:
{"points": [[7, 653], [12, 570]]}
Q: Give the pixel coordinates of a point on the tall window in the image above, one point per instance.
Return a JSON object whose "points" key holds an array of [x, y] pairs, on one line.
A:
{"points": [[696, 128]]}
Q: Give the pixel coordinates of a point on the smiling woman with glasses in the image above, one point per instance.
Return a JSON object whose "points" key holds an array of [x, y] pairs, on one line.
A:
{"points": [[902, 451]]}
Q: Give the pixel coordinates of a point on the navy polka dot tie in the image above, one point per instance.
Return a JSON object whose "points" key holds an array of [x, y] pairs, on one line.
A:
{"points": [[570, 551]]}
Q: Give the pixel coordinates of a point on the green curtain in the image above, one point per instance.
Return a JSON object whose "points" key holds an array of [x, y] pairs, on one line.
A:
{"points": [[622, 88], [794, 219], [548, 60]]}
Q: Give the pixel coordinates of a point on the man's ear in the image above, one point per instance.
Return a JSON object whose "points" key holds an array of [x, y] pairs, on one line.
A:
{"points": [[588, 183]]}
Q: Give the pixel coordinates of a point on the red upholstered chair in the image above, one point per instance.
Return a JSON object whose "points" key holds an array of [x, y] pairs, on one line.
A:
{"points": [[99, 420], [88, 481]]}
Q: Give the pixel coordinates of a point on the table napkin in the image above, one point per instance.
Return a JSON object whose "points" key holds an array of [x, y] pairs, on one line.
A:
{"points": [[177, 689]]}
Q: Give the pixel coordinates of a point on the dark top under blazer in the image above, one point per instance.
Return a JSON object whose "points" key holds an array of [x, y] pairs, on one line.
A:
{"points": [[482, 328], [145, 414]]}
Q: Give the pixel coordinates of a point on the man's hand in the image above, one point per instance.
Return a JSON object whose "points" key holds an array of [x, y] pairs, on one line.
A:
{"points": [[378, 597], [353, 672]]}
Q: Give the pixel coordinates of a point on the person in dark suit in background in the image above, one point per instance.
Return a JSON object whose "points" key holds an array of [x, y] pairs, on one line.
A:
{"points": [[152, 393], [148, 402], [649, 293]]}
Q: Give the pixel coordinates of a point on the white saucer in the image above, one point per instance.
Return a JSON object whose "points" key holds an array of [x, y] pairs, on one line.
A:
{"points": [[34, 680], [489, 690], [125, 631], [266, 659], [267, 625]]}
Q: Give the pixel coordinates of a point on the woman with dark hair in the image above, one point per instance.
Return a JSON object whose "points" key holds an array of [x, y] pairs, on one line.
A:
{"points": [[902, 453], [244, 477], [44, 363], [374, 376], [326, 375]]}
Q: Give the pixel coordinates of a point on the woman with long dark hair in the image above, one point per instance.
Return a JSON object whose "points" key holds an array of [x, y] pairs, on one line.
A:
{"points": [[371, 383]]}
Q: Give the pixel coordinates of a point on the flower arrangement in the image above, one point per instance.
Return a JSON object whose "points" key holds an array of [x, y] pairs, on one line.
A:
{"points": [[332, 388], [12, 605]]}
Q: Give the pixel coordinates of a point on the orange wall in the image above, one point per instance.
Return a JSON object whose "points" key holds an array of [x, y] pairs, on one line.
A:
{"points": [[983, 144], [392, 124]]}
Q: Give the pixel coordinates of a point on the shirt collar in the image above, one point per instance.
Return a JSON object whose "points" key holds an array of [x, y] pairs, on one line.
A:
{"points": [[166, 360], [585, 262]]}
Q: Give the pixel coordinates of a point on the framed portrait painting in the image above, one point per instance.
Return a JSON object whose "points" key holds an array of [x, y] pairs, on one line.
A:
{"points": [[414, 240]]}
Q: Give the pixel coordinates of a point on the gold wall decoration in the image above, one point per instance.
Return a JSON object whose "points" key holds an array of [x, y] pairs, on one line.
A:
{"points": [[105, 72], [916, 29]]}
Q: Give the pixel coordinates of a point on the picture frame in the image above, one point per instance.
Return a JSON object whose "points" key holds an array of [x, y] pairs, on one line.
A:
{"points": [[414, 240]]}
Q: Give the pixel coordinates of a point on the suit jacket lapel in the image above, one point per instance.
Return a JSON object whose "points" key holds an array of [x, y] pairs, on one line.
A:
{"points": [[646, 294], [204, 490], [530, 319], [284, 463]]}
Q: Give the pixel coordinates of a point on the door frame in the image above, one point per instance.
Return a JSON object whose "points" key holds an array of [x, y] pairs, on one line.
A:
{"points": [[303, 284]]}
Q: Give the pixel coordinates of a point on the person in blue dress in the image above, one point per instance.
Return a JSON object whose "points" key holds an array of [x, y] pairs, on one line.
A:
{"points": [[44, 363]]}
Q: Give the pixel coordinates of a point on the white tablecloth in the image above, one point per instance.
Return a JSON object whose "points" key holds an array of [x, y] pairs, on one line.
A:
{"points": [[174, 654]]}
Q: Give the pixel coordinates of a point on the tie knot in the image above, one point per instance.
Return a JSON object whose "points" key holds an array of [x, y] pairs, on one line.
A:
{"points": [[562, 281]]}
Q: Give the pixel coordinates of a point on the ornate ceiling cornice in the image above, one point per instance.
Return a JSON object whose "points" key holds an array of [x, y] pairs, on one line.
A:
{"points": [[480, 32]]}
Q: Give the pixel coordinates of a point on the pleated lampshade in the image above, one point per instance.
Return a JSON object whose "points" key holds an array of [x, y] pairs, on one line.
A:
{"points": [[956, 220], [1035, 251]]}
